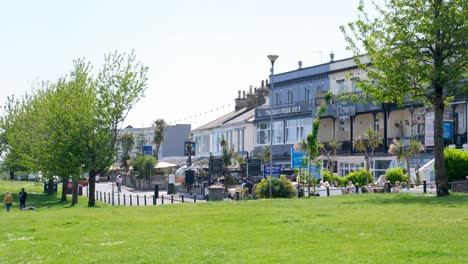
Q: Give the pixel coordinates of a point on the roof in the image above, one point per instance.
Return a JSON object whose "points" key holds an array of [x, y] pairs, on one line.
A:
{"points": [[247, 116], [222, 120]]}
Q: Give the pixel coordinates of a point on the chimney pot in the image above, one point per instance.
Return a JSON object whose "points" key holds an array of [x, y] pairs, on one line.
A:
{"points": [[243, 94], [239, 93]]}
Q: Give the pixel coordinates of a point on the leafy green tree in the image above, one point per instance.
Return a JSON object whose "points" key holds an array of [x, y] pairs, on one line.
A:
{"points": [[414, 50], [310, 144], [119, 86], [367, 143], [265, 155], [127, 140], [159, 127], [143, 165]]}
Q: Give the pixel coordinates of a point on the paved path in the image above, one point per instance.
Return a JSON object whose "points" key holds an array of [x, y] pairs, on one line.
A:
{"points": [[128, 196]]}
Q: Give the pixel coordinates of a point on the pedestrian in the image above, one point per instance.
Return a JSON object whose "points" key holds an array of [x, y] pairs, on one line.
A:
{"points": [[8, 200], [22, 198], [118, 181]]}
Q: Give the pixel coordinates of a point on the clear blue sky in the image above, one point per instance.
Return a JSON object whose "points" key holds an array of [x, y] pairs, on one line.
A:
{"points": [[199, 53]]}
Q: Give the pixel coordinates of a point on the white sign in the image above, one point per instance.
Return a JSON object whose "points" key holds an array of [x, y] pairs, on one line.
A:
{"points": [[429, 130], [172, 178]]}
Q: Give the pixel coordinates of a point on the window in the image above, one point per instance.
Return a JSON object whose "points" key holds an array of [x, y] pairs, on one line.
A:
{"points": [[340, 86], [278, 99], [342, 125], [278, 132], [292, 131], [263, 133], [290, 97], [353, 84], [307, 95], [376, 124]]}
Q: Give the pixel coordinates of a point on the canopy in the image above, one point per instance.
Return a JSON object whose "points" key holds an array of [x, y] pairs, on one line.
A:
{"points": [[163, 165]]}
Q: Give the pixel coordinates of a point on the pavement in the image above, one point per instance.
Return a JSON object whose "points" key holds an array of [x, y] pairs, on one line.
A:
{"points": [[129, 196]]}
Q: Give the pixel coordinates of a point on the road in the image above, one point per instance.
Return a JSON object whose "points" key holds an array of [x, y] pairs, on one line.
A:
{"points": [[130, 197]]}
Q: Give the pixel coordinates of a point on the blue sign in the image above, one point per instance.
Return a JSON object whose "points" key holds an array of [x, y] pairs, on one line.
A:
{"points": [[276, 170], [148, 150], [315, 171], [297, 158], [447, 130]]}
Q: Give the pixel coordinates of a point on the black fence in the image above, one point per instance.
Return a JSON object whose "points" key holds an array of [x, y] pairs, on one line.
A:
{"points": [[126, 199]]}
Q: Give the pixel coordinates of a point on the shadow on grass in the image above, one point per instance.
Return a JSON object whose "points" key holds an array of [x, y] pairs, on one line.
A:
{"points": [[399, 198], [42, 201]]}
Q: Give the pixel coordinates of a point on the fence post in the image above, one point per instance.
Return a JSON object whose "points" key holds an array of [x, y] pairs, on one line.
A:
{"points": [[125, 202], [100, 196], [131, 200], [145, 199], [357, 188], [156, 191], [87, 190], [154, 200], [182, 198], [389, 187], [109, 195], [118, 198], [162, 199], [328, 191], [172, 198], [194, 198], [424, 186], [138, 200], [97, 195], [237, 196]]}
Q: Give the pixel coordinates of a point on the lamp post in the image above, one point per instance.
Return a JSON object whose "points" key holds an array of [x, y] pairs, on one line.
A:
{"points": [[272, 59]]}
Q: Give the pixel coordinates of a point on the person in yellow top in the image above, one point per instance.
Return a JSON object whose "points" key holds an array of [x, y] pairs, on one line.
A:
{"points": [[8, 200]]}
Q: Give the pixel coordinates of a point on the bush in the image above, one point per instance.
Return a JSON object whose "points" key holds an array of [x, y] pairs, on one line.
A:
{"points": [[396, 174], [456, 164], [280, 188], [336, 178], [358, 177]]}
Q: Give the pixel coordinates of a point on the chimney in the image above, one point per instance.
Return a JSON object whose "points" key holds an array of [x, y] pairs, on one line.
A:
{"points": [[263, 84], [300, 64], [243, 94], [239, 92], [332, 56], [250, 89]]}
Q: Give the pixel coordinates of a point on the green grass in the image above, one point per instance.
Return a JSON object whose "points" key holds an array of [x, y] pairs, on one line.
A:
{"points": [[371, 228]]}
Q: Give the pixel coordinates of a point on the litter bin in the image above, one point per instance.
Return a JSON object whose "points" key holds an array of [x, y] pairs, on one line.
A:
{"points": [[46, 187], [80, 190]]}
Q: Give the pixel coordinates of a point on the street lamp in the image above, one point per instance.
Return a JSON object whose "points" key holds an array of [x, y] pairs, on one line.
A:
{"points": [[272, 59]]}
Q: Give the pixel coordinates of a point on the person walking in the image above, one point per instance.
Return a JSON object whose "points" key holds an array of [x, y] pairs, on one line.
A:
{"points": [[22, 198], [118, 181], [8, 200]]}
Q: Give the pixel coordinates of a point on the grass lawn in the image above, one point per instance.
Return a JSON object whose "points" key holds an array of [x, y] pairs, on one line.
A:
{"points": [[369, 228]]}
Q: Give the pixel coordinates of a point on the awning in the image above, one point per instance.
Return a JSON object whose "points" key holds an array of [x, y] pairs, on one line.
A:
{"points": [[163, 165]]}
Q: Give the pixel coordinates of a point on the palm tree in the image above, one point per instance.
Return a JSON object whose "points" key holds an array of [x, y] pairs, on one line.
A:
{"points": [[401, 152], [414, 149], [265, 155], [128, 141], [367, 143], [159, 127], [329, 149]]}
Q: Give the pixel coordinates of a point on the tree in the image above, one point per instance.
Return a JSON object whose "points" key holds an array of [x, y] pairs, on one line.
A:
{"points": [[415, 50], [401, 153], [310, 145], [128, 141], [159, 127], [119, 86], [329, 150], [265, 155], [414, 149], [367, 143]]}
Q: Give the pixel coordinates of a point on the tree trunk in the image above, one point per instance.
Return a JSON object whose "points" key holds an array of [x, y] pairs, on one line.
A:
{"points": [[74, 192], [408, 168], [64, 190], [439, 164], [92, 188], [367, 171]]}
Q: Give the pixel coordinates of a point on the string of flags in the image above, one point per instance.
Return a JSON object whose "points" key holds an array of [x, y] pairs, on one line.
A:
{"points": [[203, 113]]}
